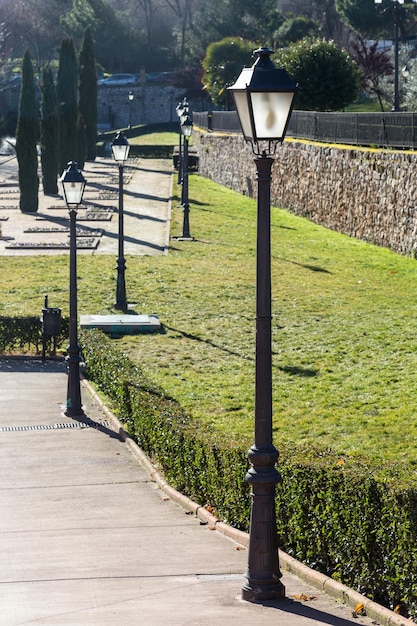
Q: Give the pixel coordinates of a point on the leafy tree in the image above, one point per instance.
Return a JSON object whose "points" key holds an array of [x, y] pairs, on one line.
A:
{"points": [[26, 138], [49, 133], [410, 87], [328, 77], [88, 93], [370, 21], [259, 23], [32, 24], [323, 12], [113, 38], [214, 21], [296, 28], [360, 15], [222, 64], [406, 80], [155, 30], [374, 65], [67, 92], [190, 80], [149, 10], [182, 9]]}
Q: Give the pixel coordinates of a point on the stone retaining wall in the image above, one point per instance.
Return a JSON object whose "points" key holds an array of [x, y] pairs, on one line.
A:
{"points": [[151, 104], [370, 195]]}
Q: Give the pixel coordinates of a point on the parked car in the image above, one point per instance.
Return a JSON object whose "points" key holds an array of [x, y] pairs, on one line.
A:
{"points": [[118, 79], [160, 77]]}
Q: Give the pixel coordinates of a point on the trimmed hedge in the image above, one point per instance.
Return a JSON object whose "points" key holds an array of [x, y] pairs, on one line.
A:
{"points": [[351, 518], [24, 335]]}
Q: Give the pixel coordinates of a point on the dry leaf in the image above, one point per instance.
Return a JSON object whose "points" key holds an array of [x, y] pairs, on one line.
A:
{"points": [[359, 609], [304, 598]]}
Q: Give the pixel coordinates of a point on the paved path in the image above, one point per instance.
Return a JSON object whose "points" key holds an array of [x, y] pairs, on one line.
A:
{"points": [[88, 539], [147, 206]]}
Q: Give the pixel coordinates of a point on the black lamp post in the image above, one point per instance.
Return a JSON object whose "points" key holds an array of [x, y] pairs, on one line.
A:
{"points": [[186, 130], [120, 148], [181, 108], [396, 11], [131, 97], [73, 184], [263, 97]]}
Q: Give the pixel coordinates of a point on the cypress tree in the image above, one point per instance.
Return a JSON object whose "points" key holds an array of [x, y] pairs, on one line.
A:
{"points": [[67, 89], [82, 141], [26, 138], [49, 133], [88, 93]]}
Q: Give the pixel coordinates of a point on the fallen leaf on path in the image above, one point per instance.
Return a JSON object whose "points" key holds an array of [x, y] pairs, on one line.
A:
{"points": [[304, 598]]}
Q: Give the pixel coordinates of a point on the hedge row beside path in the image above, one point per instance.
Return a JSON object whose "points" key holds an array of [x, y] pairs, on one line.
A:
{"points": [[353, 519], [24, 335]]}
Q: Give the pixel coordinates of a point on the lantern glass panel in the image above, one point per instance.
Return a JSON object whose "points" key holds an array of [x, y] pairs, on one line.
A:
{"points": [[73, 192], [242, 107], [120, 152], [271, 113]]}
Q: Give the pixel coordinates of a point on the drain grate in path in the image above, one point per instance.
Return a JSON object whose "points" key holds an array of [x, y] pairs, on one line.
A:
{"points": [[61, 426]]}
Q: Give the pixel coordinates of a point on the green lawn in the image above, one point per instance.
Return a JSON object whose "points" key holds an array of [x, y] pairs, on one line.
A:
{"points": [[364, 106], [167, 138], [344, 328]]}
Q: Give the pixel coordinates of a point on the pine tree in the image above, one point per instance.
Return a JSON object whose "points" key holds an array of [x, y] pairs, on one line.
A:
{"points": [[49, 133], [26, 138], [88, 93], [67, 91]]}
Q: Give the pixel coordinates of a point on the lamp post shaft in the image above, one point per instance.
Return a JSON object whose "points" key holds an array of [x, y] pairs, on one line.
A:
{"points": [[180, 164], [121, 300], [73, 404], [263, 573], [396, 55], [186, 206]]}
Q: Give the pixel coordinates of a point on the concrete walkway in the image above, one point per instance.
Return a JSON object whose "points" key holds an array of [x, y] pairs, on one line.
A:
{"points": [[147, 207]]}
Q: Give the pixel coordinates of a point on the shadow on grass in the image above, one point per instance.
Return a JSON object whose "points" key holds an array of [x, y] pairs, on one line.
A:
{"points": [[209, 343], [312, 268], [293, 370]]}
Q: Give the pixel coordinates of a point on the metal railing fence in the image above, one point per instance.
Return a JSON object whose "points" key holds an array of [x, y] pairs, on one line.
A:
{"points": [[382, 130]]}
